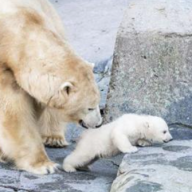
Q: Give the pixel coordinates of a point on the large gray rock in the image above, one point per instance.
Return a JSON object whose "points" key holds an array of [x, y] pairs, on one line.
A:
{"points": [[153, 61], [158, 169]]}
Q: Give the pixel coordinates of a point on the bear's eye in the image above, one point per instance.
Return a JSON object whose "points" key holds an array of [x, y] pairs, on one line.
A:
{"points": [[164, 132], [90, 109]]}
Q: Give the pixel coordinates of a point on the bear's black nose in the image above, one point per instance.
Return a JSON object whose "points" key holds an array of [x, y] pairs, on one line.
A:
{"points": [[82, 124]]}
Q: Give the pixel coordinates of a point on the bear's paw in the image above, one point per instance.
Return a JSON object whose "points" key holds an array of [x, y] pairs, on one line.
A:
{"points": [[54, 141]]}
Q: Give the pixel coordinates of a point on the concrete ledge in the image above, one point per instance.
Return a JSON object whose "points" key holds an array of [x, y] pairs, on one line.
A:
{"points": [[158, 169]]}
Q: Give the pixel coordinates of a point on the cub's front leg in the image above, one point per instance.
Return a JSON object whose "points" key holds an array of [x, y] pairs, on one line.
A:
{"points": [[51, 129], [123, 144]]}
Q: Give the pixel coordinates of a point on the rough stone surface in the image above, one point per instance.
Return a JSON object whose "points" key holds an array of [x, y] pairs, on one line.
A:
{"points": [[152, 62], [91, 26], [157, 169], [6, 190], [99, 179]]}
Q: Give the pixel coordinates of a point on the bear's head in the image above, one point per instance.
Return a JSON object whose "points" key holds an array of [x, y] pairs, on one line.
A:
{"points": [[77, 98], [50, 72], [156, 130]]}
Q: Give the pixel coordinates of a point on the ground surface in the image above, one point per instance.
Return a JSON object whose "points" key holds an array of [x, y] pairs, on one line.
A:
{"points": [[103, 172], [91, 28], [160, 168], [98, 180]]}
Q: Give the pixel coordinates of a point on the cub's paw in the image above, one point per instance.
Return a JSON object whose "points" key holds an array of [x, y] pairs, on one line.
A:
{"points": [[143, 143], [54, 141], [44, 168], [131, 150], [68, 168]]}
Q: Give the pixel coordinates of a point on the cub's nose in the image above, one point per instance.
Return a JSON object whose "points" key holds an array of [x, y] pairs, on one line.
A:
{"points": [[171, 139], [99, 125], [167, 140]]}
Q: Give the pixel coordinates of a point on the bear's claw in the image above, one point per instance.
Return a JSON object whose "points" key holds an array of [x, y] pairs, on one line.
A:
{"points": [[54, 141], [46, 168], [3, 159]]}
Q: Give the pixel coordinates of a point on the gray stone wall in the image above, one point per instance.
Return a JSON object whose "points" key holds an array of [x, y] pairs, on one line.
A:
{"points": [[152, 67]]}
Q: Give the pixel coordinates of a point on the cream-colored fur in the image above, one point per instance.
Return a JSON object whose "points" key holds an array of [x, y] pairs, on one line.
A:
{"points": [[42, 84], [121, 135]]}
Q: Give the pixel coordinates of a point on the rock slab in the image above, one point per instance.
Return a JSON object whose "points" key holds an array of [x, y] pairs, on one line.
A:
{"points": [[99, 179], [152, 68], [157, 169]]}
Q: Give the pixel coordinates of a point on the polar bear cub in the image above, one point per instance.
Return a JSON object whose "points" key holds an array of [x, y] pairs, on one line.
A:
{"points": [[121, 135]]}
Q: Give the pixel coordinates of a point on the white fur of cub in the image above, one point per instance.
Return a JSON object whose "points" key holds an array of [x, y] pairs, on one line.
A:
{"points": [[119, 136]]}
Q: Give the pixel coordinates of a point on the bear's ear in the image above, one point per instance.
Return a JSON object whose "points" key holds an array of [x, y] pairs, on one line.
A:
{"points": [[61, 96], [92, 65], [66, 88]]}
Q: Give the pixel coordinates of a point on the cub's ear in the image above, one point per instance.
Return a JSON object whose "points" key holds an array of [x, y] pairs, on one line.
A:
{"points": [[59, 99], [146, 125]]}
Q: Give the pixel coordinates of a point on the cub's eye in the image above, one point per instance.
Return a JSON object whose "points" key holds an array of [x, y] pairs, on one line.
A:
{"points": [[164, 132], [90, 109]]}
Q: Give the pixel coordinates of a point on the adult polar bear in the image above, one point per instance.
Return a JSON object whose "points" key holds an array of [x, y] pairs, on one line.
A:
{"points": [[42, 82]]}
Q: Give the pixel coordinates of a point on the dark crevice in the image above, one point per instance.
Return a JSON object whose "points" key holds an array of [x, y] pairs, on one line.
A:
{"points": [[16, 188], [181, 125], [144, 57], [169, 35], [115, 164]]}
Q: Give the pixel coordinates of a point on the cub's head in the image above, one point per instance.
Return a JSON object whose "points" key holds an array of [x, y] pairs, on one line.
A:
{"points": [[156, 130], [77, 98]]}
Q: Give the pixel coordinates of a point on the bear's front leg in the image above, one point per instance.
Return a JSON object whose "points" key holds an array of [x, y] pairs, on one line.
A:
{"points": [[51, 129], [20, 140]]}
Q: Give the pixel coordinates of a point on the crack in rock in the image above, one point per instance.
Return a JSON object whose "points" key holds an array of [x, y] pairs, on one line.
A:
{"points": [[15, 189], [181, 125]]}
